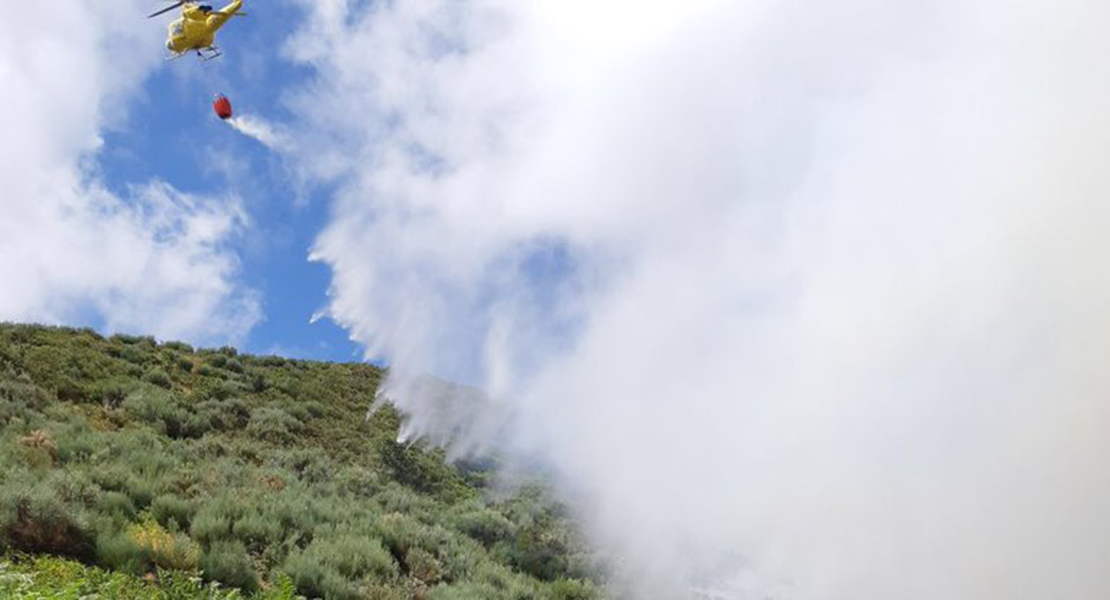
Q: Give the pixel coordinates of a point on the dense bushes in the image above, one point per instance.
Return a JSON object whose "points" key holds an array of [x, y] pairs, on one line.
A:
{"points": [[173, 511], [273, 424], [482, 523], [227, 561], [27, 395], [45, 516], [340, 566], [256, 473], [47, 578]]}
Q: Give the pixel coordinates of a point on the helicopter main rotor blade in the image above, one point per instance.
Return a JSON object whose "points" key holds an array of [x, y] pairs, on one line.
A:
{"points": [[167, 9]]}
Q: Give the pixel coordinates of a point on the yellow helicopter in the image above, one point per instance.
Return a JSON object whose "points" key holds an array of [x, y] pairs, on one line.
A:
{"points": [[195, 30]]}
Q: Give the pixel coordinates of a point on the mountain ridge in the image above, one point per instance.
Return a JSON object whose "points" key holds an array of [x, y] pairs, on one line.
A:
{"points": [[163, 462]]}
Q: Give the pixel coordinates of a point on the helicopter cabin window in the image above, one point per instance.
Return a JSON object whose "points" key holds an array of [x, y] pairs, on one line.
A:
{"points": [[177, 27]]}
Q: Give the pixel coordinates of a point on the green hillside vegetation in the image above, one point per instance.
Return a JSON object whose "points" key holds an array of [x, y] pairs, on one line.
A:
{"points": [[133, 469]]}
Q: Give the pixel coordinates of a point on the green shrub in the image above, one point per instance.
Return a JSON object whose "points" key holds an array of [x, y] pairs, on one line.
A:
{"points": [[179, 346], [359, 481], [119, 551], [315, 579], [485, 525], [167, 549], [77, 442], [111, 392], [140, 489], [459, 556], [71, 486], [258, 383], [49, 578], [185, 363], [110, 476], [215, 387], [133, 355], [571, 589], [299, 514], [496, 583], [173, 511], [28, 394], [216, 415], [339, 565], [423, 565], [198, 424], [273, 425], [123, 338], [424, 471], [312, 466], [159, 408], [39, 450], [158, 377], [136, 484], [118, 504], [41, 517], [228, 563], [270, 361], [538, 552], [354, 556], [15, 411], [235, 412], [257, 530], [399, 499], [401, 533], [303, 410], [214, 521]]}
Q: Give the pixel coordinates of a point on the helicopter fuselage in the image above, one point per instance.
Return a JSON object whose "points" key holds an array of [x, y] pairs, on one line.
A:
{"points": [[196, 28]]}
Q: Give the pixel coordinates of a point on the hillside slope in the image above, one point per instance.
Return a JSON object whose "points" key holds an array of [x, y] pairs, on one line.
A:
{"points": [[158, 461]]}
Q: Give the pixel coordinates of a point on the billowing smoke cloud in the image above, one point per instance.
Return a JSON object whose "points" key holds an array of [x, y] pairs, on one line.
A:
{"points": [[265, 132], [150, 259], [798, 299]]}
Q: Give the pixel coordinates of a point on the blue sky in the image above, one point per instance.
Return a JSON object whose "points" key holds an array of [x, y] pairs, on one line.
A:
{"points": [[172, 134]]}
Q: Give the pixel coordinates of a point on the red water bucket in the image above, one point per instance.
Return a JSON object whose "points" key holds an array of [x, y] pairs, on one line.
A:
{"points": [[222, 106]]}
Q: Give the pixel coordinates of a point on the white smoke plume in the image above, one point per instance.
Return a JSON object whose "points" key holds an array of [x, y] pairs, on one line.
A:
{"points": [[798, 299], [263, 131]]}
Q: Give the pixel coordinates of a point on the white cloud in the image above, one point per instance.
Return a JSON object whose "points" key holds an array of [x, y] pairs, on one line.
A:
{"points": [[155, 261], [798, 298]]}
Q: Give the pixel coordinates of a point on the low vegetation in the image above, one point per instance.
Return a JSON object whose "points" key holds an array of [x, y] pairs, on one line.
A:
{"points": [[134, 469]]}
